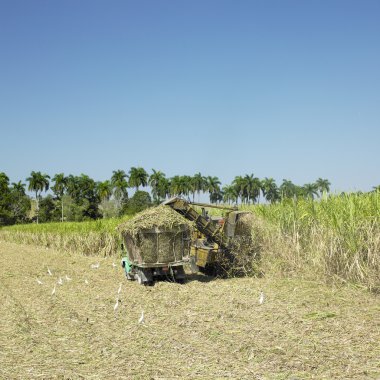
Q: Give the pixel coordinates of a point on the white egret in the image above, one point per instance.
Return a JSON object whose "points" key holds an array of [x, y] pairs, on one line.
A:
{"points": [[53, 292], [261, 298], [116, 304], [67, 278], [119, 290], [141, 320], [60, 282], [39, 281], [95, 266], [49, 272], [86, 282]]}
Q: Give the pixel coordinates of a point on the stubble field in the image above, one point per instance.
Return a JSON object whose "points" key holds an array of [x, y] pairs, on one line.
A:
{"points": [[205, 329]]}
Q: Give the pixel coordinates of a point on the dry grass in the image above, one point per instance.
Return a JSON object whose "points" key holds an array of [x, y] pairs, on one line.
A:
{"points": [[201, 330]]}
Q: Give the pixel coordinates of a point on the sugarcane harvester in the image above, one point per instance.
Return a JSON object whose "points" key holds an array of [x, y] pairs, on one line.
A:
{"points": [[214, 238], [163, 242]]}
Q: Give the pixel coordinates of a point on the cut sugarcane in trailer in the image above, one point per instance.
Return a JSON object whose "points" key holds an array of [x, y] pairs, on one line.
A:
{"points": [[156, 244]]}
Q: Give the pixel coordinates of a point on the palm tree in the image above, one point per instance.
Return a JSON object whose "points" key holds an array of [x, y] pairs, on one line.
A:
{"points": [[163, 189], [38, 183], [251, 188], [323, 185], [104, 190], [239, 185], [213, 187], [216, 196], [199, 183], [287, 189], [230, 194], [270, 190], [180, 185], [59, 188], [156, 180], [309, 190], [120, 184], [19, 187], [138, 177]]}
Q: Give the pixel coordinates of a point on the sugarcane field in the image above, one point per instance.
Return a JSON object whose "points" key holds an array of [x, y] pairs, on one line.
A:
{"points": [[189, 190], [78, 315]]}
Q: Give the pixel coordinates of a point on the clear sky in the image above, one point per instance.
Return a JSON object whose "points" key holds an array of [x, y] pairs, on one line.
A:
{"points": [[283, 89]]}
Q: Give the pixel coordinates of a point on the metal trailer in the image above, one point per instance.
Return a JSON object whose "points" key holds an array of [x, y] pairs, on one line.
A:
{"points": [[156, 253]]}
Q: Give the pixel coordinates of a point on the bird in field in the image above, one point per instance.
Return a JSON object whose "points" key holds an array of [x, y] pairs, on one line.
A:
{"points": [[261, 298], [141, 320], [114, 265], [39, 281], [67, 278], [95, 266], [86, 282], [119, 290], [116, 304], [53, 292], [49, 272], [60, 282]]}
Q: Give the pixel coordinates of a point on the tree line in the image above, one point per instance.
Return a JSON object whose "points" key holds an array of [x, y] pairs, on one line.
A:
{"points": [[76, 198]]}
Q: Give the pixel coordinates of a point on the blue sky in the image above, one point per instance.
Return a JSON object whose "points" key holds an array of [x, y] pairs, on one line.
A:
{"points": [[283, 89]]}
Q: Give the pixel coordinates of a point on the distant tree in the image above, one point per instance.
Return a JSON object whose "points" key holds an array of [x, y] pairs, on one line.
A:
{"points": [[323, 185], [83, 190], [213, 187], [239, 185], [138, 202], [157, 182], [163, 188], [104, 190], [287, 189], [4, 182], [230, 194], [138, 177], [19, 203], [59, 188], [216, 196], [309, 190], [199, 184], [48, 211], [19, 187], [251, 187], [119, 181], [179, 185], [38, 183], [5, 200], [270, 190]]}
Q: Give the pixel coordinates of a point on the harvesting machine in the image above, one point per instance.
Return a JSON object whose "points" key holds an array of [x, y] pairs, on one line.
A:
{"points": [[214, 237], [156, 253]]}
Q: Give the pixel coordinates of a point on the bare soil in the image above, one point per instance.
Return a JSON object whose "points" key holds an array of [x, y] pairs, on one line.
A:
{"points": [[205, 329]]}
